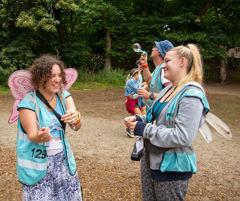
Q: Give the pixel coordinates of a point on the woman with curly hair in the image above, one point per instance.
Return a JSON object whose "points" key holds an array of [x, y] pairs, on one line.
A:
{"points": [[45, 163]]}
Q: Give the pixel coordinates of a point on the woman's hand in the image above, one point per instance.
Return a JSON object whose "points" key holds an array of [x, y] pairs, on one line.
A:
{"points": [[143, 59], [144, 85], [143, 93], [44, 134], [130, 121], [70, 117]]}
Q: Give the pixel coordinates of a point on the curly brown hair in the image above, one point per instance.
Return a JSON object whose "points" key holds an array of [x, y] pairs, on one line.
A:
{"points": [[41, 69]]}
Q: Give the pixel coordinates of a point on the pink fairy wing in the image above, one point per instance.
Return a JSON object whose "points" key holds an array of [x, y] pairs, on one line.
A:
{"points": [[71, 76], [14, 115], [20, 83]]}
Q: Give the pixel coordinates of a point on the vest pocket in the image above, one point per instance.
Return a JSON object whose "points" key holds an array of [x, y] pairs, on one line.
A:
{"points": [[181, 159]]}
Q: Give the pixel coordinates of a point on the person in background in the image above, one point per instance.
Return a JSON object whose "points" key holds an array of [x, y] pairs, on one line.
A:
{"points": [[132, 99], [142, 85], [171, 125], [45, 163], [156, 81]]}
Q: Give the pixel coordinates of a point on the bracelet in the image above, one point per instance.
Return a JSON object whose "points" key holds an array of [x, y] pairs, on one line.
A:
{"points": [[76, 123], [144, 66], [78, 120]]}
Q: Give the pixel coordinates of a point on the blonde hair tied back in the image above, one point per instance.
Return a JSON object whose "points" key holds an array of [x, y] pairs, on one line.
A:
{"points": [[194, 64]]}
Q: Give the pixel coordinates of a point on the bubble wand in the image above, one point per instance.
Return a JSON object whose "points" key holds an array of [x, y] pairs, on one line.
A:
{"points": [[137, 48]]}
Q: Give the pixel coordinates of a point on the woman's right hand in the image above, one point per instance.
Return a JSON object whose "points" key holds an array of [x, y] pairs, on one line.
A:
{"points": [[44, 134], [129, 120]]}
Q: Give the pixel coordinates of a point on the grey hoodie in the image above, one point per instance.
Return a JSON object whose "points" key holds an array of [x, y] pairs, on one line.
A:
{"points": [[158, 138]]}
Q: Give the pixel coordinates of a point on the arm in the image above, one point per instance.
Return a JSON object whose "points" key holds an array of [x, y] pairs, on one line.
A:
{"points": [[29, 123], [146, 72], [147, 75], [71, 116], [145, 94], [186, 128]]}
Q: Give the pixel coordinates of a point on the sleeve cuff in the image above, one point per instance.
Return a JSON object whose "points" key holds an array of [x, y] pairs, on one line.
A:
{"points": [[139, 128], [138, 118]]}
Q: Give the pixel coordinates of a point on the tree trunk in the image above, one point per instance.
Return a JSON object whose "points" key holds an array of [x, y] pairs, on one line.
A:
{"points": [[60, 29], [223, 72], [204, 9], [108, 48], [144, 8]]}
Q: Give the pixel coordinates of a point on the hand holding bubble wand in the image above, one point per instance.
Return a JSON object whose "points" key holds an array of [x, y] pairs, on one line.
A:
{"points": [[53, 126], [137, 48]]}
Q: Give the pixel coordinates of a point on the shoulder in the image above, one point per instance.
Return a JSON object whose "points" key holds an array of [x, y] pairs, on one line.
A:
{"points": [[131, 81], [27, 102], [66, 94], [195, 90]]}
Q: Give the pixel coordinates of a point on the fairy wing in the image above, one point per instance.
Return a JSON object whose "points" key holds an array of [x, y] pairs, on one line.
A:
{"points": [[20, 83], [71, 76], [219, 125], [206, 132]]}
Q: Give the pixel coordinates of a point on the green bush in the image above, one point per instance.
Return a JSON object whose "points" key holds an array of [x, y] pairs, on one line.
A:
{"points": [[4, 75]]}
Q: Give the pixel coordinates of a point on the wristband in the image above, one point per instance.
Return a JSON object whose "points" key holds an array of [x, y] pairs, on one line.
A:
{"points": [[144, 66], [78, 120]]}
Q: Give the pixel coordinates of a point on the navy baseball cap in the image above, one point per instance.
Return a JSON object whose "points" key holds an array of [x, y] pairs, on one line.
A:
{"points": [[164, 46]]}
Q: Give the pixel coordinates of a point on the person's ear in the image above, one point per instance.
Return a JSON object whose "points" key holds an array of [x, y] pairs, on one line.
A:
{"points": [[183, 62]]}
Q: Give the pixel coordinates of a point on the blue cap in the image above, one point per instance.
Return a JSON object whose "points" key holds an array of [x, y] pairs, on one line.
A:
{"points": [[164, 46]]}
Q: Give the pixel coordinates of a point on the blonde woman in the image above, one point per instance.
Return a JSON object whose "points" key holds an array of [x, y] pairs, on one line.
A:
{"points": [[171, 125]]}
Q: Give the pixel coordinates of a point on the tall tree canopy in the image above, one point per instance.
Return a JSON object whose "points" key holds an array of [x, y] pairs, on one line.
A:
{"points": [[99, 34]]}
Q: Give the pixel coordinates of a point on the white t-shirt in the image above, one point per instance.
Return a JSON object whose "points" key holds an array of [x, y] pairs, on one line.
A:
{"points": [[163, 79]]}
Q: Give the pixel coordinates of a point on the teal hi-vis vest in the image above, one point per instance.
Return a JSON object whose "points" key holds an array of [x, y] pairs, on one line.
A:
{"points": [[181, 159], [32, 157], [156, 84]]}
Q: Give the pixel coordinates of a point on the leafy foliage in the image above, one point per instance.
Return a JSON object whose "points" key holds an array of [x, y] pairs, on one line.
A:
{"points": [[76, 30]]}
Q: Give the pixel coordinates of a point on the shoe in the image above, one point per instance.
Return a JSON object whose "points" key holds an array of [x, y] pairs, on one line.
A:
{"points": [[129, 133]]}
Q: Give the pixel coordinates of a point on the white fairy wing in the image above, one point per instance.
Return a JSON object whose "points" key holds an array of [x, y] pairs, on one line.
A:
{"points": [[71, 76], [219, 125], [206, 132]]}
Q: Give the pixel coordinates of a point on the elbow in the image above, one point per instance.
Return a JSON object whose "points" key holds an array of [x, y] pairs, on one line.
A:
{"points": [[184, 140]]}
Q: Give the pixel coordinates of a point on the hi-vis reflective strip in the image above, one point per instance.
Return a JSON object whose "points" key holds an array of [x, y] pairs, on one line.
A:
{"points": [[24, 137], [32, 165]]}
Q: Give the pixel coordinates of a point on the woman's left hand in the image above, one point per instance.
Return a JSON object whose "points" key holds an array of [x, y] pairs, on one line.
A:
{"points": [[70, 117]]}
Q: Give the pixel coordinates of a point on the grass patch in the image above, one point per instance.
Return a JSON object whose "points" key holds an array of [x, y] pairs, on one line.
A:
{"points": [[4, 90], [100, 80]]}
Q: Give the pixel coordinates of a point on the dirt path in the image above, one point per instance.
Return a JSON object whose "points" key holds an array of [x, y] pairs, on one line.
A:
{"points": [[102, 149]]}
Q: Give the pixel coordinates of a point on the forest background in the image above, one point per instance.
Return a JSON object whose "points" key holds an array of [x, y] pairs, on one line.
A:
{"points": [[96, 36]]}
